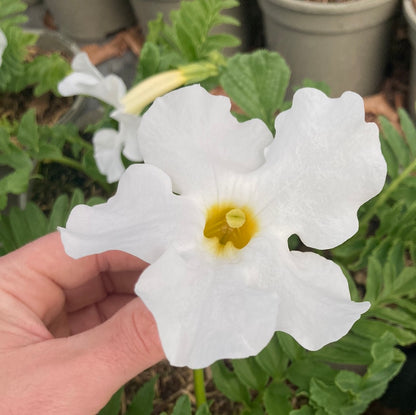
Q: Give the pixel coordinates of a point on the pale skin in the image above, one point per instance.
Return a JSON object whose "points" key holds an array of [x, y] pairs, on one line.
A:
{"points": [[72, 332]]}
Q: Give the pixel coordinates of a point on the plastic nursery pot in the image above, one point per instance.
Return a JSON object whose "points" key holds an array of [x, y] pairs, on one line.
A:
{"points": [[90, 20], [410, 15], [345, 45], [147, 10]]}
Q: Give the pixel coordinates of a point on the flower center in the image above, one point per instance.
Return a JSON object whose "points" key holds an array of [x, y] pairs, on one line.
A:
{"points": [[229, 226]]}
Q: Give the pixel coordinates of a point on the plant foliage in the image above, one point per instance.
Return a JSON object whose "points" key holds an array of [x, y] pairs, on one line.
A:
{"points": [[188, 38], [19, 69]]}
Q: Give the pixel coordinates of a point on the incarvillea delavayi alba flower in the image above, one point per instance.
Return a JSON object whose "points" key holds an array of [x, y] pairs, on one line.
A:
{"points": [[213, 207]]}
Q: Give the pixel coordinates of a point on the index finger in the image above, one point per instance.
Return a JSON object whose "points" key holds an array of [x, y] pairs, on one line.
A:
{"points": [[38, 273]]}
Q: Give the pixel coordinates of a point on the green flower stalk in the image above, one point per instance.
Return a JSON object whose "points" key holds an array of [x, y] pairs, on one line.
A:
{"points": [[157, 85]]}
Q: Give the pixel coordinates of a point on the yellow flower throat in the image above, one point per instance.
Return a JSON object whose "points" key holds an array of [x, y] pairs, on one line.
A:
{"points": [[229, 226]]}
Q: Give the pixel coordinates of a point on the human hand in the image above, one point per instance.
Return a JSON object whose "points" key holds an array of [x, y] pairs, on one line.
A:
{"points": [[71, 331]]}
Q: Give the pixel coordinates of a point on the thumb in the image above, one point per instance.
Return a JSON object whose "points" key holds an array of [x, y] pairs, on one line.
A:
{"points": [[94, 364]]}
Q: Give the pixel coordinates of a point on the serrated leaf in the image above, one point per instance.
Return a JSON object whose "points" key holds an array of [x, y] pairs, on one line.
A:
{"points": [[257, 83], [350, 349], [395, 256], [276, 399], [396, 316], [142, 403], [374, 329], [405, 283], [228, 383], [250, 373], [27, 132]]}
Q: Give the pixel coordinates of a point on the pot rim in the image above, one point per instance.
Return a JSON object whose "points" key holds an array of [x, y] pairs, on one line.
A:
{"points": [[352, 6]]}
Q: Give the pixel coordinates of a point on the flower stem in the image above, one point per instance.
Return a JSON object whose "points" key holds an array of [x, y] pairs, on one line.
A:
{"points": [[199, 387]]}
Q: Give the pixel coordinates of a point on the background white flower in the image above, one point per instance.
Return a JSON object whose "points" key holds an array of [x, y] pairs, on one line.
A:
{"points": [[222, 279], [3, 45], [108, 144]]}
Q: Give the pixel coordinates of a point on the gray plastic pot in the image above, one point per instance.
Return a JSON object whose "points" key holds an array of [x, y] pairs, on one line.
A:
{"points": [[410, 15], [147, 10], [344, 44], [90, 20]]}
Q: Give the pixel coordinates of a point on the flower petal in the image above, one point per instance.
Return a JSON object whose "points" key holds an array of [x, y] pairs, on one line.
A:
{"points": [[325, 163], [204, 311], [128, 128], [143, 218], [315, 305], [107, 148], [3, 45], [87, 80], [191, 131], [230, 307]]}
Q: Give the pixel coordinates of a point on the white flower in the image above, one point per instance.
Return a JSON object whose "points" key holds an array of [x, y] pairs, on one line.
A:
{"points": [[3, 45], [222, 279], [108, 143]]}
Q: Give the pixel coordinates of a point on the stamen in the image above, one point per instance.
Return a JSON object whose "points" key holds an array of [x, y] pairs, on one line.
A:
{"points": [[235, 218]]}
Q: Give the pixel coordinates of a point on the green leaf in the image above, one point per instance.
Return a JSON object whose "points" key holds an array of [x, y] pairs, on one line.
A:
{"points": [[276, 399], [228, 383], [409, 130], [182, 406], [59, 213], [113, 405], [301, 372], [391, 160], [374, 282], [290, 346], [272, 359], [203, 410], [250, 373], [304, 410], [27, 133], [142, 403], [22, 226], [405, 283], [374, 329], [395, 141], [257, 83]]}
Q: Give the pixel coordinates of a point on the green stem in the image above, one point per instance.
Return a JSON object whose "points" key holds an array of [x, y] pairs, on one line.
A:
{"points": [[388, 191], [199, 387], [66, 161]]}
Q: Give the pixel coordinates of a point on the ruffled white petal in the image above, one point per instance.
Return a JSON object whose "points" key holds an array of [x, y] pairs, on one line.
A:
{"points": [[324, 164], [192, 136], [205, 310], [230, 307], [128, 128], [87, 80], [107, 148], [143, 219], [315, 305], [3, 45]]}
